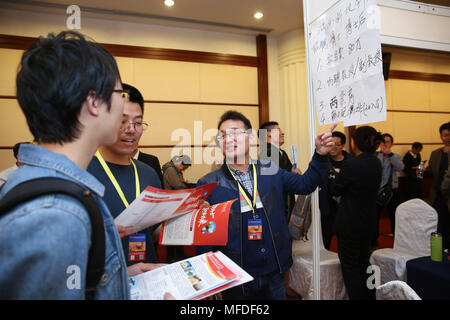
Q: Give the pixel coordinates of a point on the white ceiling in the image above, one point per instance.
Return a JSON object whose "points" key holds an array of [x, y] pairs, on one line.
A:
{"points": [[235, 16]]}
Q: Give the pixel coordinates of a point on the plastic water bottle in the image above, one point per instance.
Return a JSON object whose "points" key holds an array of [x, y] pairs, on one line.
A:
{"points": [[436, 247], [421, 168]]}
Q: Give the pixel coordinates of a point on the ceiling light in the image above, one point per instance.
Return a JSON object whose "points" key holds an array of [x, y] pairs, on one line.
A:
{"points": [[258, 15], [169, 3]]}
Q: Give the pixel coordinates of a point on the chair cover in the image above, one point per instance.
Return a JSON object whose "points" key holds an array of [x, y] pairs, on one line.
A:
{"points": [[332, 285], [396, 290], [415, 221]]}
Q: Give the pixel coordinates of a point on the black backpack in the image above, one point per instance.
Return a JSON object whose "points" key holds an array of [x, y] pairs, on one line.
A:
{"points": [[34, 188]]}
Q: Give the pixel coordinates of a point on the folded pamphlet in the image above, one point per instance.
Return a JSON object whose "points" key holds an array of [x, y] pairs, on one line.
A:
{"points": [[194, 278], [207, 226], [156, 205]]}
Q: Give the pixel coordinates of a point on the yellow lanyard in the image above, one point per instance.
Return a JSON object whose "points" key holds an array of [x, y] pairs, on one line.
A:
{"points": [[114, 181], [255, 188]]}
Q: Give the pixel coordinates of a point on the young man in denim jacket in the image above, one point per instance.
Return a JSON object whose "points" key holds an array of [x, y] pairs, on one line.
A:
{"points": [[70, 92]]}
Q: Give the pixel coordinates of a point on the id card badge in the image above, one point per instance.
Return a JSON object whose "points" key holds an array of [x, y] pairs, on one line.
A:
{"points": [[136, 244], [254, 229]]}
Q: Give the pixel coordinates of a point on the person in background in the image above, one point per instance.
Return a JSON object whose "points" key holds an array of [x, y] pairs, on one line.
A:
{"points": [[5, 173], [272, 138], [412, 160], [437, 167], [150, 160], [445, 186], [173, 180], [357, 184], [125, 178], [391, 164], [173, 173], [336, 159]]}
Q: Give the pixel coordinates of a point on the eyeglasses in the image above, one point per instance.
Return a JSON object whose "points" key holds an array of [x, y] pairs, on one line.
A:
{"points": [[233, 133], [124, 93], [138, 126]]}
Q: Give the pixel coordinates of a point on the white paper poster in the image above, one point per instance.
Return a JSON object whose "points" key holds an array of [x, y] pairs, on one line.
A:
{"points": [[346, 64]]}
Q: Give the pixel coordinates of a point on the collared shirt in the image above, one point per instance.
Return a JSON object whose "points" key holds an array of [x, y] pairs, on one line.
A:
{"points": [[412, 154], [244, 178], [44, 242]]}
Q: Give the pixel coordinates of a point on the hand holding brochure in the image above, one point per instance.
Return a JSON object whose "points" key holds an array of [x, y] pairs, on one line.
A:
{"points": [[207, 226], [156, 205], [193, 278]]}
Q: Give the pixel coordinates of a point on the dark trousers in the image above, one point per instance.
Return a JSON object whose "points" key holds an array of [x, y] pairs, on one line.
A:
{"points": [[443, 226], [174, 253], [327, 222], [390, 207], [354, 257], [413, 188]]}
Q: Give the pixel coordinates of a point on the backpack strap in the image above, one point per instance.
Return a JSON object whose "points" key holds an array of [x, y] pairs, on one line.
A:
{"points": [[34, 188]]}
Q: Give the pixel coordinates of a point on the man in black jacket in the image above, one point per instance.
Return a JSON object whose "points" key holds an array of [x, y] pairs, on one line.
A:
{"points": [[150, 160], [272, 138], [411, 160]]}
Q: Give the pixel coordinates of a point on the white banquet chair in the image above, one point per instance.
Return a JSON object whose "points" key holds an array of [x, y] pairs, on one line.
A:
{"points": [[415, 221]]}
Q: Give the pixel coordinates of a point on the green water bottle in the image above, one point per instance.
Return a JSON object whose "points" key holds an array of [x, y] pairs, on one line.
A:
{"points": [[436, 246]]}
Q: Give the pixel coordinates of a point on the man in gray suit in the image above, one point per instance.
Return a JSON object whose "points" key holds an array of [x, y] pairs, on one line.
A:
{"points": [[437, 167]]}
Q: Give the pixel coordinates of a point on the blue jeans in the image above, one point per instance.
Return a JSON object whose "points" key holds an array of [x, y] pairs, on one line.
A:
{"points": [[271, 286]]}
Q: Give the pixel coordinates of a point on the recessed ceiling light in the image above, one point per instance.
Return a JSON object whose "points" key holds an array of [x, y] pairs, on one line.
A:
{"points": [[258, 15], [169, 3]]}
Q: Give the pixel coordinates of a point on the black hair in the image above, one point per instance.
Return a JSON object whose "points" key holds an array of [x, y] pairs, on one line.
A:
{"points": [[367, 139], [237, 116], [56, 75], [267, 126], [339, 135], [417, 145], [444, 126], [384, 135], [134, 95], [16, 148]]}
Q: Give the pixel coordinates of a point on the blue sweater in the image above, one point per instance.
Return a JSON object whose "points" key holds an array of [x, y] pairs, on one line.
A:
{"points": [[274, 251]]}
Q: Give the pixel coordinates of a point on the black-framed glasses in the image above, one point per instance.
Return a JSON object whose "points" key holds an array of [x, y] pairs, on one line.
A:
{"points": [[125, 94], [138, 126]]}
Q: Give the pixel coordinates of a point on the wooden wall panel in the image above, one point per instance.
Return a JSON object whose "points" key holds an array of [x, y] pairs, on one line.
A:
{"points": [[410, 95], [9, 61], [167, 80], [229, 84]]}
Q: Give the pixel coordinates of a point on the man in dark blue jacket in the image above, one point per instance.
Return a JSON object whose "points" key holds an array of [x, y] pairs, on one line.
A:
{"points": [[258, 237]]}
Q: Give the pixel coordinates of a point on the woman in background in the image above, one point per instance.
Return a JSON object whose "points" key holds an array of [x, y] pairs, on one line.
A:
{"points": [[357, 185]]}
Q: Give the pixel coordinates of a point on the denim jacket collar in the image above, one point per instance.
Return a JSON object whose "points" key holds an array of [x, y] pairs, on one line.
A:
{"points": [[41, 157]]}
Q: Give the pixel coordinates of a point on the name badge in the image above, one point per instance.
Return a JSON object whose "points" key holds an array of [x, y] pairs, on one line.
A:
{"points": [[137, 244], [254, 229]]}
